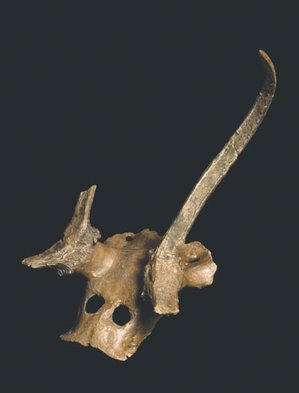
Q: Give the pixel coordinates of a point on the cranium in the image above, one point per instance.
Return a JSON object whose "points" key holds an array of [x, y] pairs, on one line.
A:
{"points": [[143, 273]]}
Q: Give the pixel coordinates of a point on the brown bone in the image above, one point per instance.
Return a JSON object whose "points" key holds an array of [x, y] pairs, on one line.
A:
{"points": [[128, 270], [164, 261], [115, 271]]}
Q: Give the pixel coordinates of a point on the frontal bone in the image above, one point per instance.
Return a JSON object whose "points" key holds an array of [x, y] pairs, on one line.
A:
{"points": [[134, 279]]}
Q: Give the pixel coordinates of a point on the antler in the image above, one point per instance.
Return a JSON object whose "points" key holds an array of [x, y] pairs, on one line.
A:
{"points": [[164, 261], [79, 237], [79, 229], [116, 267]]}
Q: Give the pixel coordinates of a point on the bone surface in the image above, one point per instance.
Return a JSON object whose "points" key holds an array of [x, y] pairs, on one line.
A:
{"points": [[164, 261], [134, 279]]}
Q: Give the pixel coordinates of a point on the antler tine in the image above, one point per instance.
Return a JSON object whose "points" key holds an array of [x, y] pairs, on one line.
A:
{"points": [[80, 221], [124, 268], [79, 237]]}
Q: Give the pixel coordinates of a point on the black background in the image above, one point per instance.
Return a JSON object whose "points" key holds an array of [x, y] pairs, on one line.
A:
{"points": [[138, 98]]}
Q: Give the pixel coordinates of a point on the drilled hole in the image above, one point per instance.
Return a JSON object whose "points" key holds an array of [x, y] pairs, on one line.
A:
{"points": [[121, 315], [94, 304], [129, 238]]}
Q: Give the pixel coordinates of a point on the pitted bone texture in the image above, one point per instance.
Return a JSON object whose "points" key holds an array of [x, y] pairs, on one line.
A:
{"points": [[115, 273], [142, 274]]}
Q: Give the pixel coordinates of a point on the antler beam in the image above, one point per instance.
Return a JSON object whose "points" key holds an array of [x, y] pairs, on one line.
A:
{"points": [[128, 268], [164, 265]]}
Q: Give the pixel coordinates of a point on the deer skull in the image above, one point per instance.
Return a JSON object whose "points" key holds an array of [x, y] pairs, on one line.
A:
{"points": [[141, 274]]}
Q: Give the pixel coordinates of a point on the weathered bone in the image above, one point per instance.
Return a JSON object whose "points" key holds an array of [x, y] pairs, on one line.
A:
{"points": [[70, 253], [127, 267], [164, 263]]}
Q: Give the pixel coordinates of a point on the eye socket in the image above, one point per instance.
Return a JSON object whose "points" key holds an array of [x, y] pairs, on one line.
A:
{"points": [[121, 315], [129, 238], [94, 303]]}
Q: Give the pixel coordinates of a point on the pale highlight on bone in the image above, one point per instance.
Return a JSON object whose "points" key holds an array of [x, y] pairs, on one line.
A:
{"points": [[143, 273], [164, 261]]}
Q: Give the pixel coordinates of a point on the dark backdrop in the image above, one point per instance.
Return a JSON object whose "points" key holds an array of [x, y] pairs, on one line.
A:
{"points": [[138, 98]]}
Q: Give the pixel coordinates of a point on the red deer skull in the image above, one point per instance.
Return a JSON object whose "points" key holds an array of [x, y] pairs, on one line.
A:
{"points": [[143, 273]]}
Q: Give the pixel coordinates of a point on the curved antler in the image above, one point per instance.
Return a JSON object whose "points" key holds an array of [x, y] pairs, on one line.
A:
{"points": [[163, 259]]}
